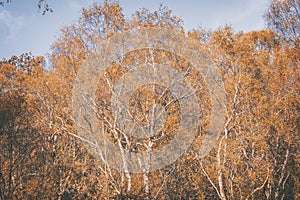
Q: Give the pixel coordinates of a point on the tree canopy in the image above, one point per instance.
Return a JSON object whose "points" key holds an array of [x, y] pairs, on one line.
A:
{"points": [[42, 155]]}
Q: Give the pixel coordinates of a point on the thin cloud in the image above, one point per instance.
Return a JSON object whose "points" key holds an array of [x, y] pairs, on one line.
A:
{"points": [[10, 25], [250, 16], [75, 5]]}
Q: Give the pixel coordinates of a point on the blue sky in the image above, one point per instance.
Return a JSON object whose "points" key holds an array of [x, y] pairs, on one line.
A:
{"points": [[24, 29]]}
